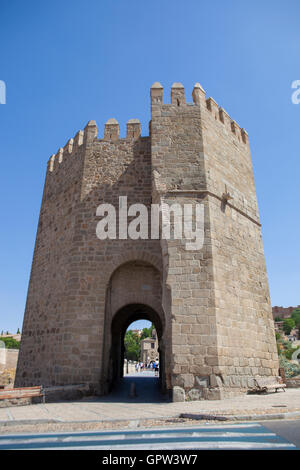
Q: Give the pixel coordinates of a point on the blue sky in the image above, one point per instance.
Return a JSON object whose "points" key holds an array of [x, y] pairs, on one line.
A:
{"points": [[66, 62]]}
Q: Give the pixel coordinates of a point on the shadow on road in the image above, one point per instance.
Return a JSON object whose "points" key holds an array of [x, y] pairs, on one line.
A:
{"points": [[147, 388]]}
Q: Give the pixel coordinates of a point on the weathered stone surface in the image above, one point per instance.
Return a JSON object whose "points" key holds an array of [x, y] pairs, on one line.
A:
{"points": [[194, 394], [202, 382], [216, 381], [178, 394]]}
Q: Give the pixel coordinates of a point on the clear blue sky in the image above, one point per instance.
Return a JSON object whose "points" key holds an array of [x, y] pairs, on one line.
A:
{"points": [[66, 62]]}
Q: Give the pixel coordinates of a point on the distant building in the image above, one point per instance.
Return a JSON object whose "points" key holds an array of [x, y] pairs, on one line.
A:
{"points": [[137, 332], [283, 312], [294, 333], [149, 348]]}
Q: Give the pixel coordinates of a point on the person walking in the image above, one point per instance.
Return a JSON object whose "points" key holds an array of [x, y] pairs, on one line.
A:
{"points": [[156, 367]]}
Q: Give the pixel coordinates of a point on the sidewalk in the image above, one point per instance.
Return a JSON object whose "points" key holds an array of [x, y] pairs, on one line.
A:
{"points": [[118, 409]]}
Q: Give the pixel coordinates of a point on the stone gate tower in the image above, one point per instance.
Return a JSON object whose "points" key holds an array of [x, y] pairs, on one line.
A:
{"points": [[210, 306]]}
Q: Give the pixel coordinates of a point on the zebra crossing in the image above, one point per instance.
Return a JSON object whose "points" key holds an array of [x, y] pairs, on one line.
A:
{"points": [[211, 436]]}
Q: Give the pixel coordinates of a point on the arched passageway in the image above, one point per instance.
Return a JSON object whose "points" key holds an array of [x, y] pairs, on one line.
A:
{"points": [[122, 319], [134, 292]]}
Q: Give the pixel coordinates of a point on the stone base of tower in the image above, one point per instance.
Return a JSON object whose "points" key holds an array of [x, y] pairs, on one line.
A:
{"points": [[213, 387]]}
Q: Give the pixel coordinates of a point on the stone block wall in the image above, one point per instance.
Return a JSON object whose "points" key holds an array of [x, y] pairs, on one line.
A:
{"points": [[245, 329], [230, 336], [64, 333], [47, 323]]}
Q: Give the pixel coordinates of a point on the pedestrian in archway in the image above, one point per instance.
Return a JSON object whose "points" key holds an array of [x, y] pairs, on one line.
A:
{"points": [[156, 367]]}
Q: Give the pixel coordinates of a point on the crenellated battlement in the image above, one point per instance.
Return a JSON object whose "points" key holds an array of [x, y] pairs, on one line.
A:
{"points": [[77, 141], [70, 148], [112, 130], [90, 134], [133, 126], [73, 145], [199, 99]]}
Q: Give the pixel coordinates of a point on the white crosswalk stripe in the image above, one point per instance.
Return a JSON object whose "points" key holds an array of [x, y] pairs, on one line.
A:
{"points": [[231, 436]]}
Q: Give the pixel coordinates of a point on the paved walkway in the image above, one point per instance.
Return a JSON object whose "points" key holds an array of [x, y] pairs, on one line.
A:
{"points": [[149, 404]]}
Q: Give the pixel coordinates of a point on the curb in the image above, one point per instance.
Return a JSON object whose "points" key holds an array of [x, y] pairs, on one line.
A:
{"points": [[21, 422], [131, 423], [255, 417], [287, 415]]}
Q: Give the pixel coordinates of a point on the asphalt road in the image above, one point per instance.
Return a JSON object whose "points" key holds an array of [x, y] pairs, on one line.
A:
{"points": [[288, 429], [279, 435]]}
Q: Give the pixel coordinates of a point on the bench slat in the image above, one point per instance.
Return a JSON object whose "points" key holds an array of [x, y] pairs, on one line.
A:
{"points": [[10, 397], [38, 387], [21, 394], [24, 392]]}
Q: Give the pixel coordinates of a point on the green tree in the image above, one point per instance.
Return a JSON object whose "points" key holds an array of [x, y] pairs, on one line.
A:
{"points": [[18, 332], [11, 343], [132, 343], [290, 351], [296, 317], [288, 325], [147, 332]]}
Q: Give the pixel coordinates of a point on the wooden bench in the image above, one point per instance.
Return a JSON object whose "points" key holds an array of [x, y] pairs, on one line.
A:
{"points": [[24, 392], [265, 384]]}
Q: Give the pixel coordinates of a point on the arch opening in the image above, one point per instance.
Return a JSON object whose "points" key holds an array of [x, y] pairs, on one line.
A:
{"points": [[120, 323]]}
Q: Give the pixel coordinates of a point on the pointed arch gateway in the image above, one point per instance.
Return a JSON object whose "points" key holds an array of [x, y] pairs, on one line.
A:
{"points": [[134, 292]]}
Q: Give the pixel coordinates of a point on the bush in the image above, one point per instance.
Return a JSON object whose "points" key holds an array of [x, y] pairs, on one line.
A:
{"points": [[290, 369], [288, 353], [11, 343], [296, 317], [288, 325]]}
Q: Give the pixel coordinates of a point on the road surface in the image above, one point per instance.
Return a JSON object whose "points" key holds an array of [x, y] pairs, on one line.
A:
{"points": [[245, 436]]}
